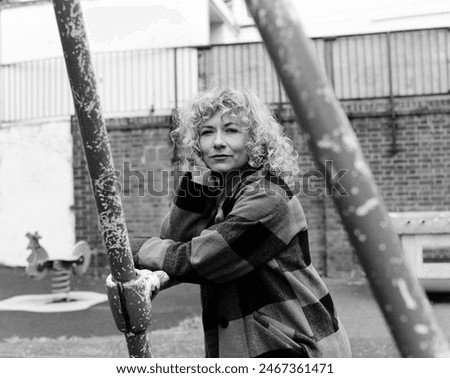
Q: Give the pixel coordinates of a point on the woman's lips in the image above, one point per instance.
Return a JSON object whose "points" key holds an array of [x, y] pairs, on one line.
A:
{"points": [[220, 157]]}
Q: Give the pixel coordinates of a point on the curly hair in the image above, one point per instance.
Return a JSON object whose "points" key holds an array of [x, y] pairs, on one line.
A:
{"points": [[267, 146]]}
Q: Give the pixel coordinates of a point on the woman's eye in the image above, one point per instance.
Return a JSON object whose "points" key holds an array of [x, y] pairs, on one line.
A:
{"points": [[232, 130], [205, 132]]}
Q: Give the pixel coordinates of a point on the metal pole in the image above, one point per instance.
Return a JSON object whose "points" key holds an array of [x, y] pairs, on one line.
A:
{"points": [[98, 154], [331, 137]]}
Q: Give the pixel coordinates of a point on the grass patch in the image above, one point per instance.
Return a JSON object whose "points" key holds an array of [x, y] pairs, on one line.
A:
{"points": [[185, 340]]}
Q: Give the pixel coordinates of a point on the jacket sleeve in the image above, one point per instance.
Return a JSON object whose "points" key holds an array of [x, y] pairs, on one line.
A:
{"points": [[190, 212], [260, 225], [192, 208]]}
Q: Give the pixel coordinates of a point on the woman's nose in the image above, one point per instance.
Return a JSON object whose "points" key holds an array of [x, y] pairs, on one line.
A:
{"points": [[218, 140]]}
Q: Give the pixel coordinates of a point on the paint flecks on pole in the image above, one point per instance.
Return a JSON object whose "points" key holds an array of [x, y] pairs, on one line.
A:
{"points": [[331, 137], [101, 169]]}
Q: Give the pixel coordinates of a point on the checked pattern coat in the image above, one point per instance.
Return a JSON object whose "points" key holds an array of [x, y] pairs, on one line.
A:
{"points": [[248, 249]]}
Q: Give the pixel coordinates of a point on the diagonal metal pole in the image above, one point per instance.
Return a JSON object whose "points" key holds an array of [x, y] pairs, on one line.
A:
{"points": [[331, 137], [98, 156]]}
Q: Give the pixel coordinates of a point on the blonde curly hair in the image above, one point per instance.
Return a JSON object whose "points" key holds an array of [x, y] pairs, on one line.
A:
{"points": [[267, 146]]}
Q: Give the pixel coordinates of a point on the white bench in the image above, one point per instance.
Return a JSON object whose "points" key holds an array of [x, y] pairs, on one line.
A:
{"points": [[425, 237]]}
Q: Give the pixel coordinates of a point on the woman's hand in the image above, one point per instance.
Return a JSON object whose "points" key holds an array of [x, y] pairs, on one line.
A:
{"points": [[156, 280], [200, 171], [197, 159]]}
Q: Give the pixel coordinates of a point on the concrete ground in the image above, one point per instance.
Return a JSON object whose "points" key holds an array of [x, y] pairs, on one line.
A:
{"points": [[358, 310]]}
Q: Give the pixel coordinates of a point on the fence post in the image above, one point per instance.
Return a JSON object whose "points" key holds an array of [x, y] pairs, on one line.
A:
{"points": [[98, 157], [331, 137], [393, 122], [175, 77]]}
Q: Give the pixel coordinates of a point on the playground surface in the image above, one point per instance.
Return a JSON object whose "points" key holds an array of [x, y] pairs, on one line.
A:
{"points": [[176, 321]]}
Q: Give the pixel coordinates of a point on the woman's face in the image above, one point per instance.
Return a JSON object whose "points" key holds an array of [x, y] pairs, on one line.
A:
{"points": [[223, 143]]}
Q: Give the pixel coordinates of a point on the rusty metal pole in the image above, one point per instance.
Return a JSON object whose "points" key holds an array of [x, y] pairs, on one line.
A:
{"points": [[331, 137], [98, 156]]}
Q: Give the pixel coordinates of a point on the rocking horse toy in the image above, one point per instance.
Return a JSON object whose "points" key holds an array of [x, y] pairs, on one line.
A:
{"points": [[39, 264]]}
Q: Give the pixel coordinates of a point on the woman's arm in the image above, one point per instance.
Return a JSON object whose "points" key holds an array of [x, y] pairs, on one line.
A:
{"points": [[190, 213], [260, 225]]}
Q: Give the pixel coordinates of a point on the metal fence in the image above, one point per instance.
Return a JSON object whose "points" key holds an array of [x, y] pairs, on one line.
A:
{"points": [[398, 64], [158, 80], [129, 82], [363, 66]]}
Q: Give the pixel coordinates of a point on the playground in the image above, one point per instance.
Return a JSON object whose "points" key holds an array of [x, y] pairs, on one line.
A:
{"points": [[176, 324], [383, 308]]}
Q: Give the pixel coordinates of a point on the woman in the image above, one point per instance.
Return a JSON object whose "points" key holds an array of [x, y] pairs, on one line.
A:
{"points": [[236, 229]]}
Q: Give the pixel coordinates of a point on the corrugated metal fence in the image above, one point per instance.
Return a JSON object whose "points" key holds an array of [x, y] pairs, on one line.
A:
{"points": [[406, 63], [130, 82], [362, 66]]}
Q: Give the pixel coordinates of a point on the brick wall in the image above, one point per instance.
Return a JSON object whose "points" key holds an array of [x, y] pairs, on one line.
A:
{"points": [[310, 194], [410, 163], [141, 151]]}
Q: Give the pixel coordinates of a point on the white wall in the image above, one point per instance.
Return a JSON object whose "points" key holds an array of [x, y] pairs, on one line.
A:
{"points": [[322, 18], [112, 25], [330, 17], [36, 190]]}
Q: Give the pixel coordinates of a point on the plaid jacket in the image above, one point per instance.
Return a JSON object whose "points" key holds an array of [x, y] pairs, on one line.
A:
{"points": [[248, 249]]}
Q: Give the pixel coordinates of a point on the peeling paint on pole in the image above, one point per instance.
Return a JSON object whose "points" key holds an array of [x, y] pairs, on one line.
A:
{"points": [[331, 137], [97, 149], [95, 137]]}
